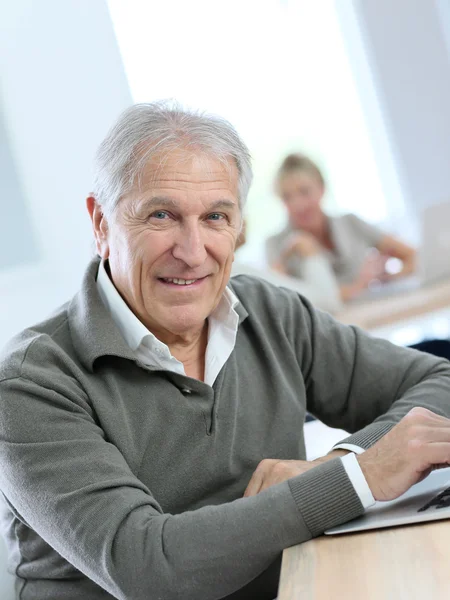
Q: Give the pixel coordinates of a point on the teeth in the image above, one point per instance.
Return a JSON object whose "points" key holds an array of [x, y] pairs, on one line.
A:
{"points": [[180, 281]]}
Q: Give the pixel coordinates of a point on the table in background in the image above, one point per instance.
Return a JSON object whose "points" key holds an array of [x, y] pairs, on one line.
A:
{"points": [[404, 318], [398, 563]]}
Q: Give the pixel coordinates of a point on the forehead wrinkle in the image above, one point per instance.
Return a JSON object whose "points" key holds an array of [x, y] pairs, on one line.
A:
{"points": [[170, 180], [199, 179], [188, 168], [165, 202]]}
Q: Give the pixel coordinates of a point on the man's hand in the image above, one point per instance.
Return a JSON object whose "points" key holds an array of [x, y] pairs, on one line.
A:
{"points": [[419, 443], [339, 453], [272, 471]]}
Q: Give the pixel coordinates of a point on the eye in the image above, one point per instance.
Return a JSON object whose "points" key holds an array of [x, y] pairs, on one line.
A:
{"points": [[159, 214], [216, 217]]}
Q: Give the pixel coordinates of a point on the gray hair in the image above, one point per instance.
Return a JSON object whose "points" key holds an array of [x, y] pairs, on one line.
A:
{"points": [[155, 129]]}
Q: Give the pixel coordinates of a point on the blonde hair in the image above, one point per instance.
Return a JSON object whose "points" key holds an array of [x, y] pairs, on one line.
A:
{"points": [[298, 162]]}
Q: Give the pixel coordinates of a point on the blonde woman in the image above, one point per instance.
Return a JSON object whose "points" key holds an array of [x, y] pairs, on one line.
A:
{"points": [[357, 251]]}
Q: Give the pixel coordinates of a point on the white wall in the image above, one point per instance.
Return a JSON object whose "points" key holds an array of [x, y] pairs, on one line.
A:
{"points": [[17, 240], [443, 7], [63, 85]]}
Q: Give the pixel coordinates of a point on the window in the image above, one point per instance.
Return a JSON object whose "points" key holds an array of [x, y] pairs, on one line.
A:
{"points": [[279, 71]]}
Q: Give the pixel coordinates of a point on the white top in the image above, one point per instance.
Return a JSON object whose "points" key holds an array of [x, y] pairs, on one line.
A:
{"points": [[151, 353], [318, 284]]}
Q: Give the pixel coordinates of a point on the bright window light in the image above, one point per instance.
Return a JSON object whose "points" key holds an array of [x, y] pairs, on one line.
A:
{"points": [[278, 70]]}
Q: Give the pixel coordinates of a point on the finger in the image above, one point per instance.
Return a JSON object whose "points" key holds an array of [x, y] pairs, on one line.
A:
{"points": [[254, 485], [438, 420], [438, 434], [279, 471], [267, 483], [431, 433], [432, 455]]}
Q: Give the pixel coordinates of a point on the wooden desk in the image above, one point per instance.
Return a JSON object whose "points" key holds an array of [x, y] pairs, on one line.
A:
{"points": [[378, 312], [399, 563]]}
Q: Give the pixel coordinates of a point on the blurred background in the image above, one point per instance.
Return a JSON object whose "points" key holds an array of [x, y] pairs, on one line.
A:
{"points": [[362, 86]]}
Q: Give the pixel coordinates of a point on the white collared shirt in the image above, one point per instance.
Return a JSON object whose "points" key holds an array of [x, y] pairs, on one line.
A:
{"points": [[151, 353]]}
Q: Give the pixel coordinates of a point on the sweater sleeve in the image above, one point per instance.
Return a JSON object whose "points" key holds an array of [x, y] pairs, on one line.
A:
{"points": [[75, 489], [371, 234], [365, 385]]}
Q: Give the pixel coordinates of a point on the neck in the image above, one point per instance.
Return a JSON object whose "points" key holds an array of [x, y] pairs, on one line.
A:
{"points": [[191, 345], [191, 351], [320, 230], [188, 348], [323, 232], [181, 343]]}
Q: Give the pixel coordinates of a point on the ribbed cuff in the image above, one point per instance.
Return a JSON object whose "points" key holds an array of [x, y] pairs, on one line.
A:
{"points": [[367, 437], [325, 497]]}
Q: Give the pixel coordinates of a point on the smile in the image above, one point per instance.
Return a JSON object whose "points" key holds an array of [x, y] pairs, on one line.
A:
{"points": [[179, 281]]}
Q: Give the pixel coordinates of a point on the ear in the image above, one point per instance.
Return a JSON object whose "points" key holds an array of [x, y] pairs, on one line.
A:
{"points": [[99, 226]]}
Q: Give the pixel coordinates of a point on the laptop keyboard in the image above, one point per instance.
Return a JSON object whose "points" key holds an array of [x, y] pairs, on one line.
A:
{"points": [[442, 500]]}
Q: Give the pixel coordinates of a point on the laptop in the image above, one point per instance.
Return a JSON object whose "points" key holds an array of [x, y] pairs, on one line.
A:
{"points": [[428, 500], [434, 253]]}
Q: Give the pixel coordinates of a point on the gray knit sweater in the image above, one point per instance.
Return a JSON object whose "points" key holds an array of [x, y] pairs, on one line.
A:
{"points": [[120, 482]]}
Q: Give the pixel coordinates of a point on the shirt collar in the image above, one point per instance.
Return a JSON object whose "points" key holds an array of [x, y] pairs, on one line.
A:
{"points": [[131, 328]]}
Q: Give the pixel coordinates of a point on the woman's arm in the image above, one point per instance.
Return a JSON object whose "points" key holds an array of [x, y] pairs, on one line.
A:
{"points": [[372, 268], [394, 248]]}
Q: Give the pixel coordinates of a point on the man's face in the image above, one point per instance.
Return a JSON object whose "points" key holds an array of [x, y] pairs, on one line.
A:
{"points": [[170, 243]]}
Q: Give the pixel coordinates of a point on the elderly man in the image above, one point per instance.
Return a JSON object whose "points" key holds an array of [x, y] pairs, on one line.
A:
{"points": [[151, 429]]}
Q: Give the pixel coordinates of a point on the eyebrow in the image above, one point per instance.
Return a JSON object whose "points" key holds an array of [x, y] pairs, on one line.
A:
{"points": [[165, 202]]}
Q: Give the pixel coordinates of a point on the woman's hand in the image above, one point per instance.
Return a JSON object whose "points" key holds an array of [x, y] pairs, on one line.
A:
{"points": [[301, 243], [372, 269], [394, 248]]}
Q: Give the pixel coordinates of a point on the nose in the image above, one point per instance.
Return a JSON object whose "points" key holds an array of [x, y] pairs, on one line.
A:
{"points": [[189, 245]]}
